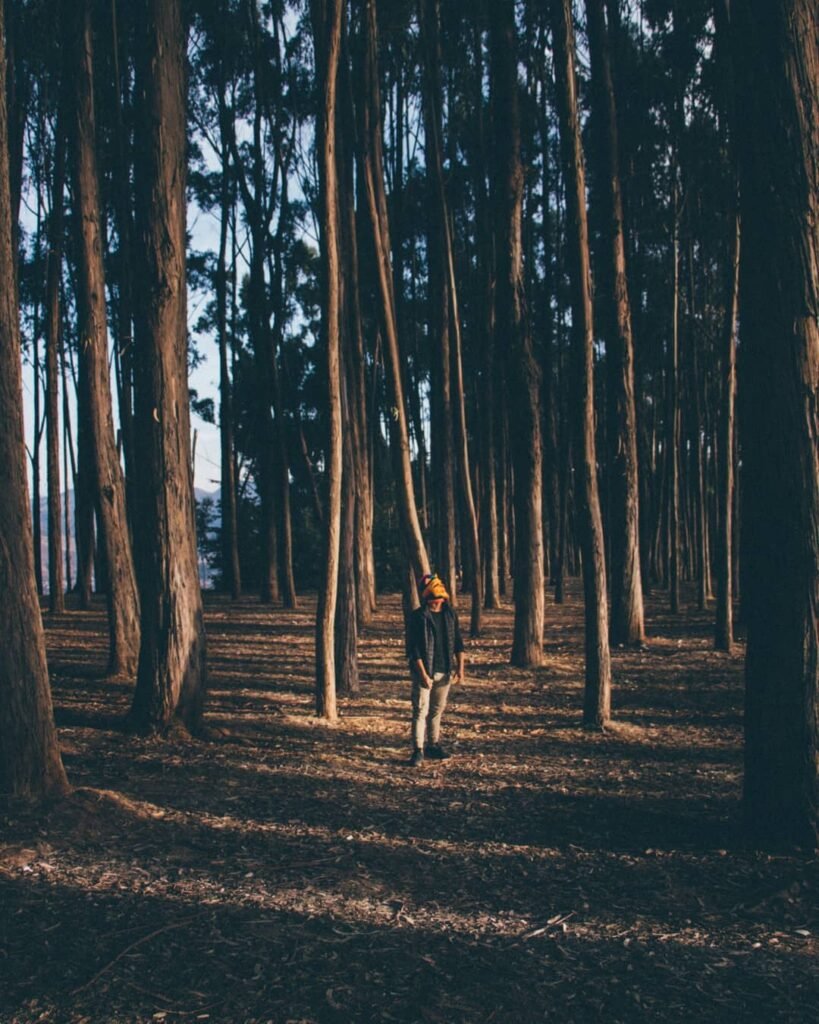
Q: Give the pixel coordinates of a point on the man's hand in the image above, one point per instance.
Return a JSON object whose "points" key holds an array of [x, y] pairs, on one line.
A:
{"points": [[427, 682]]}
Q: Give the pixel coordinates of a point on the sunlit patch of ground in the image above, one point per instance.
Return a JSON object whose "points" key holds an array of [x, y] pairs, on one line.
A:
{"points": [[285, 871]]}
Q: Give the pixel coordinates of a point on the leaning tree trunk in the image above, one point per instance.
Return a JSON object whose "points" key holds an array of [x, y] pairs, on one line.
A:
{"points": [[30, 763], [327, 37], [777, 55], [171, 677], [121, 590], [372, 164], [597, 702], [627, 622], [523, 371]]}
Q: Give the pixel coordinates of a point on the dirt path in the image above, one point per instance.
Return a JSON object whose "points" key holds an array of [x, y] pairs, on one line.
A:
{"points": [[288, 872]]}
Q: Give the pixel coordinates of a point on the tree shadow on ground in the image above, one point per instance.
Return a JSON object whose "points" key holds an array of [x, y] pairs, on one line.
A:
{"points": [[242, 948], [291, 871]]}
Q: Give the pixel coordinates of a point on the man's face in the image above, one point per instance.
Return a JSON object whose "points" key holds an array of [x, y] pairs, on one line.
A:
{"points": [[436, 604]]}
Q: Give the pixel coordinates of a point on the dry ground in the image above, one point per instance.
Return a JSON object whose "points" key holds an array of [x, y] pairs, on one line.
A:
{"points": [[285, 871]]}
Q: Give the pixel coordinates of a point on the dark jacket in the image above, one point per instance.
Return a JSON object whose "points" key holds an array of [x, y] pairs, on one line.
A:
{"points": [[422, 636]]}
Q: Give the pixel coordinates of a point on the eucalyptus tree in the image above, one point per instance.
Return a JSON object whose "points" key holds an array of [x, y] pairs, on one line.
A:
{"points": [[777, 89], [30, 762], [372, 173], [626, 622], [597, 701], [511, 327], [441, 248], [724, 617], [109, 483], [172, 673], [327, 23], [56, 598]]}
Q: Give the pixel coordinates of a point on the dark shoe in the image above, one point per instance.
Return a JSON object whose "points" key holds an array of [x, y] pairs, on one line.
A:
{"points": [[417, 758], [436, 753]]}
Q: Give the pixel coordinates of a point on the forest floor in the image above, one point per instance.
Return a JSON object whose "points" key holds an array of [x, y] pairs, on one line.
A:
{"points": [[286, 871]]}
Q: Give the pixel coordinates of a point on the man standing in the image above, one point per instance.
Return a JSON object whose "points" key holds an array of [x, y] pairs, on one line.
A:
{"points": [[436, 659]]}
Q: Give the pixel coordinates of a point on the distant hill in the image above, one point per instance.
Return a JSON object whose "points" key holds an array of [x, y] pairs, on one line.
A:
{"points": [[199, 493]]}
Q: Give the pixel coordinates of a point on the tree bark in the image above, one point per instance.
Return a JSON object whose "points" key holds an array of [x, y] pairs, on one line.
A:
{"points": [[36, 510], [626, 625], [673, 415], [30, 763], [485, 316], [124, 220], [373, 173], [327, 16], [430, 20], [109, 483], [287, 579], [597, 699], [777, 60], [724, 621], [56, 590], [171, 676], [356, 384], [724, 618], [443, 426], [346, 626], [231, 569], [523, 371]]}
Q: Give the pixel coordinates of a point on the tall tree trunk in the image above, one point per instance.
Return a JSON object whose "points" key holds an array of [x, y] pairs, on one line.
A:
{"points": [[231, 569], [229, 536], [673, 413], [37, 433], [443, 428], [356, 387], [84, 493], [373, 173], [56, 590], [30, 763], [123, 219], [258, 204], [171, 677], [346, 626], [18, 94], [724, 618], [327, 35], [285, 524], [485, 315], [123, 600], [261, 342], [777, 59], [626, 625], [523, 371], [724, 622], [597, 702], [69, 491]]}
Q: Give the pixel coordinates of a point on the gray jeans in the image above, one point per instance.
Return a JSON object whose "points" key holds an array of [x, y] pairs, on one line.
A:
{"points": [[428, 708]]}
